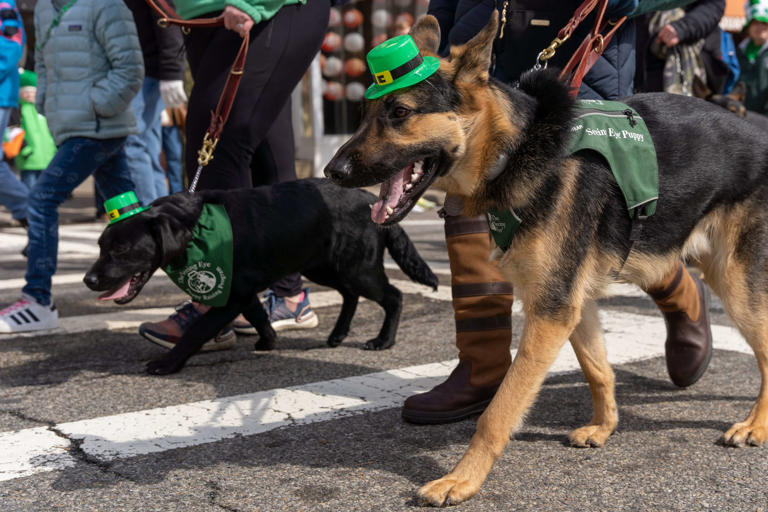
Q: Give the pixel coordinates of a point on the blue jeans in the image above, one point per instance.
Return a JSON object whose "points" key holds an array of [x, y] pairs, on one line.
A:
{"points": [[28, 178], [13, 193], [172, 149], [143, 149], [76, 159]]}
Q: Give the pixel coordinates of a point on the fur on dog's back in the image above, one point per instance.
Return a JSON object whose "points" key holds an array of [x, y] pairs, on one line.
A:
{"points": [[310, 225]]}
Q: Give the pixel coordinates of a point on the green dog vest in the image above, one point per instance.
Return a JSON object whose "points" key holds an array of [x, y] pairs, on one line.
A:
{"points": [[617, 132], [204, 271]]}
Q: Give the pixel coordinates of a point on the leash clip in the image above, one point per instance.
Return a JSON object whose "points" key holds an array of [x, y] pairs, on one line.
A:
{"points": [[205, 153]]}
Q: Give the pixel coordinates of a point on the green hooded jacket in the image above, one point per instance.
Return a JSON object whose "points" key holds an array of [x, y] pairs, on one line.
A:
{"points": [[259, 10], [39, 147]]}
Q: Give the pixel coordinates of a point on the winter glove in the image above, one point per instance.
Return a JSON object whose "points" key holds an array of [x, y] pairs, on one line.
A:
{"points": [[172, 92]]}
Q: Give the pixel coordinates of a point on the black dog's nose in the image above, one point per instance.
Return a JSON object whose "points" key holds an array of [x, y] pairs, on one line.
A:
{"points": [[91, 280], [338, 170]]}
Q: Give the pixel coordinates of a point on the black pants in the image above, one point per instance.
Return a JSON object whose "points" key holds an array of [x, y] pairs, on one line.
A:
{"points": [[256, 145]]}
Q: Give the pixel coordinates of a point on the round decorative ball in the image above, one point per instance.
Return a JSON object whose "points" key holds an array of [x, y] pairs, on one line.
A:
{"points": [[354, 42], [352, 18], [331, 42]]}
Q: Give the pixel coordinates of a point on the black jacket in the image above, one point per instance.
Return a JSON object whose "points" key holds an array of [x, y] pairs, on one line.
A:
{"points": [[611, 77], [161, 47], [701, 21]]}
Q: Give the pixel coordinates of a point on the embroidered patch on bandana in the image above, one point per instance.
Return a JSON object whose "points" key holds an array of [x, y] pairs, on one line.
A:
{"points": [[204, 271]]}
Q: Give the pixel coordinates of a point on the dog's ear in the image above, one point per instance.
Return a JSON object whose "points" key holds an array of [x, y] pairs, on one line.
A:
{"points": [[700, 89], [472, 60], [426, 34], [171, 224]]}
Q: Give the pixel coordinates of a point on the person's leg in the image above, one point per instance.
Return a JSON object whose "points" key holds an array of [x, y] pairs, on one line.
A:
{"points": [[113, 176], [172, 148], [280, 52], [274, 161], [13, 193], [153, 108], [28, 178], [684, 301], [76, 159], [287, 304], [139, 146], [482, 304]]}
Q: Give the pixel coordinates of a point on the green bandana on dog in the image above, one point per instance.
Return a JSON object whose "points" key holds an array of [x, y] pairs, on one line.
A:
{"points": [[205, 270], [617, 132]]}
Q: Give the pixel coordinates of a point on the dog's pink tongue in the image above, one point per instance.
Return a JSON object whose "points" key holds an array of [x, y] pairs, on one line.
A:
{"points": [[117, 294], [389, 195]]}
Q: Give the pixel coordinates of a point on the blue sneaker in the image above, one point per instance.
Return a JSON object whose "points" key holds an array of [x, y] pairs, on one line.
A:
{"points": [[281, 318]]}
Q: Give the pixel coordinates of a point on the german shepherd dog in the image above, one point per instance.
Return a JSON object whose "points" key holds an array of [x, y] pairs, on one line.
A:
{"points": [[450, 130]]}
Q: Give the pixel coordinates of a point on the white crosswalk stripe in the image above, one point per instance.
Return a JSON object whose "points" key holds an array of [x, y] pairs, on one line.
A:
{"points": [[628, 338]]}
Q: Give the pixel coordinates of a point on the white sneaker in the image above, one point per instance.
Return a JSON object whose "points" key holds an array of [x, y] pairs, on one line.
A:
{"points": [[26, 314]]}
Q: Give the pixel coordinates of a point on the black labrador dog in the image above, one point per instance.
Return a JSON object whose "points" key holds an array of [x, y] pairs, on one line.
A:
{"points": [[309, 226]]}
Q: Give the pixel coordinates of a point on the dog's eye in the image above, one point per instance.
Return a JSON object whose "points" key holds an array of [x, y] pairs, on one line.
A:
{"points": [[401, 112], [121, 249]]}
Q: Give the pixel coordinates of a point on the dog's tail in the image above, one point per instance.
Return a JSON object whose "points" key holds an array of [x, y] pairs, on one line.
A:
{"points": [[407, 258]]}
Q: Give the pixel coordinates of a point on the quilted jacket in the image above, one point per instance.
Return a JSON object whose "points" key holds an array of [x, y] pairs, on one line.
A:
{"points": [[88, 70]]}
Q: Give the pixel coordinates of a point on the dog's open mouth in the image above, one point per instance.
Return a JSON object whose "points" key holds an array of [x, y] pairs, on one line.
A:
{"points": [[401, 192], [127, 291]]}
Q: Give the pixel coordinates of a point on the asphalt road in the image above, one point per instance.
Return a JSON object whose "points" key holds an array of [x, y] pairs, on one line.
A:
{"points": [[307, 427]]}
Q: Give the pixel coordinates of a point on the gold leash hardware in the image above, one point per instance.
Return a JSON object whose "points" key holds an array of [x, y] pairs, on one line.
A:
{"points": [[549, 52], [163, 23], [205, 153]]}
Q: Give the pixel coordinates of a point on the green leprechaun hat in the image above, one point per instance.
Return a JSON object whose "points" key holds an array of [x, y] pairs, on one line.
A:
{"points": [[397, 63], [123, 206]]}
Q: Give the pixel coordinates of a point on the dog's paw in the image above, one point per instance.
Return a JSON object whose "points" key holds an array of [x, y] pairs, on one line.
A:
{"points": [[378, 344], [746, 433], [264, 344], [590, 436], [448, 490], [163, 366], [335, 340]]}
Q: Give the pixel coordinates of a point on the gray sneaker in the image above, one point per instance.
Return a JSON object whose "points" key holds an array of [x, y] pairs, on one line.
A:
{"points": [[282, 318]]}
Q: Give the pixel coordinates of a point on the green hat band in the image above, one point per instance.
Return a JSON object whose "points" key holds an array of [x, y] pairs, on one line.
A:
{"points": [[385, 77], [123, 206]]}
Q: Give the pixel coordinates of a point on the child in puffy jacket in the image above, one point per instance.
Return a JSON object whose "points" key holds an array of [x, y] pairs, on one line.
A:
{"points": [[85, 92]]}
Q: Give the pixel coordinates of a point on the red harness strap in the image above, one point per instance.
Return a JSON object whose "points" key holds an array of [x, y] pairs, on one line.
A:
{"points": [[590, 48], [168, 16]]}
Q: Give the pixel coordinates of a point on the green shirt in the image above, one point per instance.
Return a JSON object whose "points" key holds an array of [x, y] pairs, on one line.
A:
{"points": [[259, 10]]}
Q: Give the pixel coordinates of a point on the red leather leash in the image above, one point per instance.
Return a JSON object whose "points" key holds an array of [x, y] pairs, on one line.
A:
{"points": [[168, 16], [590, 48]]}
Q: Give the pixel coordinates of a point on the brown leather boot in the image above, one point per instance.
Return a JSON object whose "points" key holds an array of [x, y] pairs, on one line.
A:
{"points": [[482, 303], [684, 301]]}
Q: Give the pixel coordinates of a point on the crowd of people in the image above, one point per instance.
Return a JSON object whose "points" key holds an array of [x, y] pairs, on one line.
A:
{"points": [[102, 92]]}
